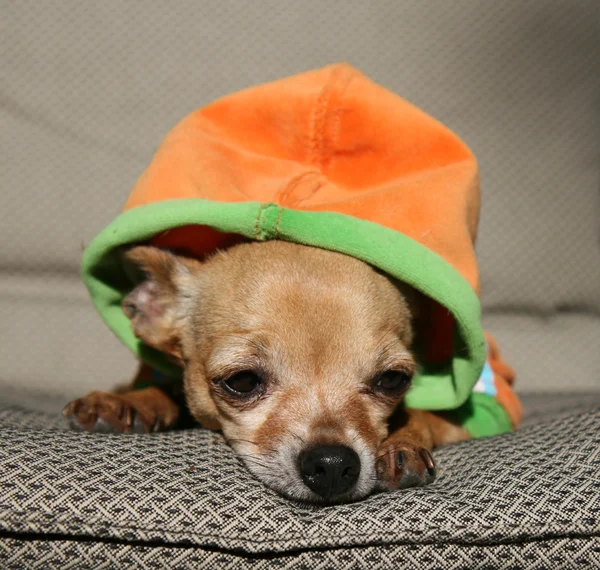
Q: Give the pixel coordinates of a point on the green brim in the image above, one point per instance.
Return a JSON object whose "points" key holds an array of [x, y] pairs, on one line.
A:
{"points": [[435, 388]]}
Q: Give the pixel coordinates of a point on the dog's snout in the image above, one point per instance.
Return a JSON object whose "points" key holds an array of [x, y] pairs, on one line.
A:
{"points": [[329, 470]]}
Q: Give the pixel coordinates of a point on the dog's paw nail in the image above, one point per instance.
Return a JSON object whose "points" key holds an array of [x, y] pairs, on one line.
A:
{"points": [[157, 425], [400, 459], [401, 464], [128, 416], [428, 460], [70, 409]]}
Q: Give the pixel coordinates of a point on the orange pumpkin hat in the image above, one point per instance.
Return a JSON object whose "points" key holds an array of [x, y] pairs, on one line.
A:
{"points": [[330, 159]]}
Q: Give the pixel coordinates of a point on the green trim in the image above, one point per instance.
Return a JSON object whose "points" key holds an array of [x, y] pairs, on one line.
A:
{"points": [[390, 251], [483, 416]]}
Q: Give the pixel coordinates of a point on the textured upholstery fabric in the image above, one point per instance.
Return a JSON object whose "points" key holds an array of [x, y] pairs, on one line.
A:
{"points": [[90, 89], [536, 555], [184, 496], [87, 92]]}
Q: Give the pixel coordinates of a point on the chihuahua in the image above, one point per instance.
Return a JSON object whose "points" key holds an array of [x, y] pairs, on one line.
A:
{"points": [[300, 355]]}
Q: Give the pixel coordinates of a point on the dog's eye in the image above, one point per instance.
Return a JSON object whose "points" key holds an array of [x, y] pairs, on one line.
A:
{"points": [[243, 383], [392, 382]]}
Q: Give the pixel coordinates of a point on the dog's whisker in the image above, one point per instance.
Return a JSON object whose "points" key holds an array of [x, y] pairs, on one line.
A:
{"points": [[355, 438], [254, 458], [298, 437], [236, 440], [249, 459]]}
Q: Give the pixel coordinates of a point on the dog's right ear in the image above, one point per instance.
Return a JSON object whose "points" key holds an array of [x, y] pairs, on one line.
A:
{"points": [[159, 305]]}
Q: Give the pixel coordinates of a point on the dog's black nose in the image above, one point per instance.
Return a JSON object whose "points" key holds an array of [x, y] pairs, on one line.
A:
{"points": [[329, 470]]}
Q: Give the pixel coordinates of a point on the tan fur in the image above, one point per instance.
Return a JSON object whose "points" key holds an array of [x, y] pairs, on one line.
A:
{"points": [[319, 327]]}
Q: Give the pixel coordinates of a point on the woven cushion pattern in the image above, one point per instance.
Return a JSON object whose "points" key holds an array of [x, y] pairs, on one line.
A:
{"points": [[538, 555], [185, 490], [89, 89]]}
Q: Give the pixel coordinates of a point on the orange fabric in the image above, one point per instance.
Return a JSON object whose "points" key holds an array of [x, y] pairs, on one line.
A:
{"points": [[329, 139]]}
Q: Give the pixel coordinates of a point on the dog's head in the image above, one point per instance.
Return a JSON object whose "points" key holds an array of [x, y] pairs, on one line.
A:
{"points": [[299, 355]]}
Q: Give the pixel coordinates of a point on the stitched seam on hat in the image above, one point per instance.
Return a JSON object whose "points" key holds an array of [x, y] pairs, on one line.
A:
{"points": [[314, 190], [256, 225], [335, 119], [293, 184], [277, 223], [341, 78], [319, 117]]}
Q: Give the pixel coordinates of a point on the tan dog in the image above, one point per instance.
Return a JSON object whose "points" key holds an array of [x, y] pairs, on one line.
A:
{"points": [[301, 356]]}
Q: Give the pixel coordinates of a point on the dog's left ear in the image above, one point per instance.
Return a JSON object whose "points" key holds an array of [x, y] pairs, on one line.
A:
{"points": [[159, 306]]}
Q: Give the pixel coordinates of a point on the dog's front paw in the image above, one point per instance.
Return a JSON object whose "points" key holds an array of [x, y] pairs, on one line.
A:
{"points": [[402, 463], [119, 413]]}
